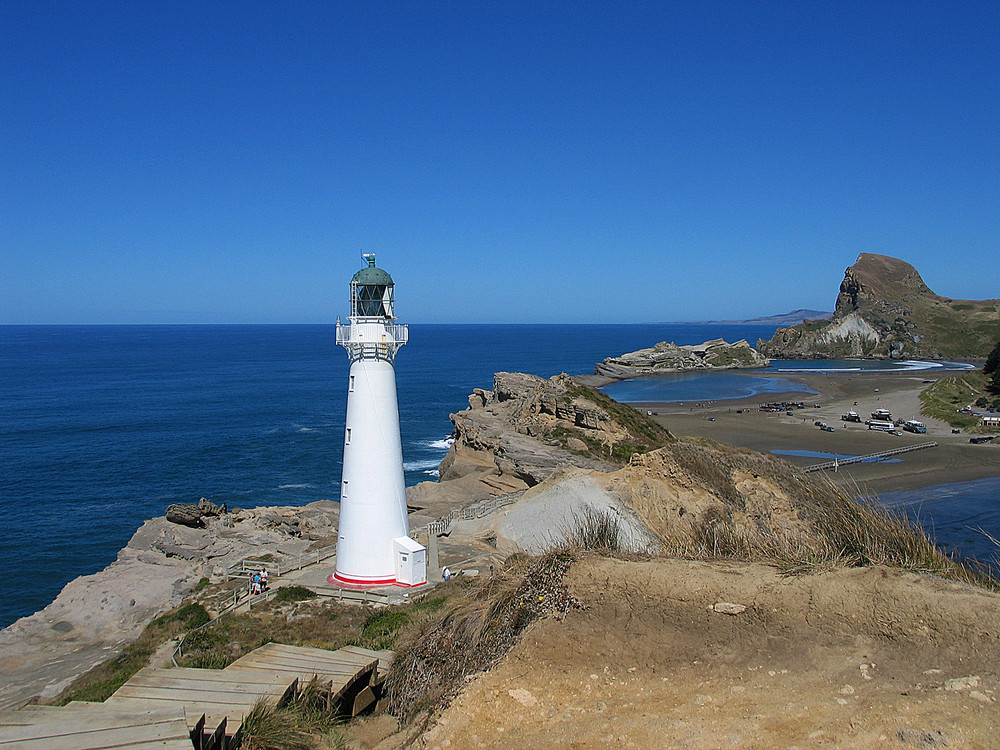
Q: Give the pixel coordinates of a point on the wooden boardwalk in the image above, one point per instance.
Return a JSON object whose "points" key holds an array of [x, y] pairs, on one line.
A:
{"points": [[167, 708], [836, 464], [272, 672], [93, 726]]}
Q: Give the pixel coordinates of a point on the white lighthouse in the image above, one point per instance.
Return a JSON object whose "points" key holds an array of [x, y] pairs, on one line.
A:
{"points": [[373, 544]]}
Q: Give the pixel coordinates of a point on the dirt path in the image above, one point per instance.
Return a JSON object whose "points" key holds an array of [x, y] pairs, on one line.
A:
{"points": [[856, 658]]}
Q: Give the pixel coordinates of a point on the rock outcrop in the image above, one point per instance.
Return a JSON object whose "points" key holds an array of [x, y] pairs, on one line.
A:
{"points": [[885, 310], [193, 515], [94, 615], [527, 427], [681, 497], [668, 357]]}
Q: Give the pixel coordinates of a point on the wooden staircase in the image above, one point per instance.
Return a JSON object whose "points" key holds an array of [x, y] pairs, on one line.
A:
{"points": [[171, 708]]}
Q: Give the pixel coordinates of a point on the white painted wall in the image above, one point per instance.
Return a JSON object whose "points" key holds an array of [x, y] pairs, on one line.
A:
{"points": [[373, 498]]}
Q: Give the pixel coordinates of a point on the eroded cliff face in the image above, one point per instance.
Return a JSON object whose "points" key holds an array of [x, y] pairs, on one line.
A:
{"points": [[885, 310], [562, 444], [527, 427], [669, 357]]}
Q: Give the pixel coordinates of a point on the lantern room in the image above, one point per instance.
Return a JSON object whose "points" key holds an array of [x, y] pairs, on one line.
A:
{"points": [[371, 292]]}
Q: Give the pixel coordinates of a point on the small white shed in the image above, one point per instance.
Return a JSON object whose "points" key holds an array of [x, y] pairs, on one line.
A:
{"points": [[411, 561]]}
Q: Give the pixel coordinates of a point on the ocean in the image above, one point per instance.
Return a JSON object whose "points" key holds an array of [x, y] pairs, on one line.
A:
{"points": [[102, 427]]}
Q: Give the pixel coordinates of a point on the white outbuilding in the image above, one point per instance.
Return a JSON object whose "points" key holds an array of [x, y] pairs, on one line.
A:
{"points": [[411, 561]]}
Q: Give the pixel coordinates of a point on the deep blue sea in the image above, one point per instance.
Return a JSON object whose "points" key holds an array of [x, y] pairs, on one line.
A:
{"points": [[102, 427]]}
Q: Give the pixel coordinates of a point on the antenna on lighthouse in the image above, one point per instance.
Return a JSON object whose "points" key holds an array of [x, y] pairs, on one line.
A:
{"points": [[373, 543]]}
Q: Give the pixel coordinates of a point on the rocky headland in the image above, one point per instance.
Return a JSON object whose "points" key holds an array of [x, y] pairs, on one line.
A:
{"points": [[885, 310], [666, 357], [95, 615]]}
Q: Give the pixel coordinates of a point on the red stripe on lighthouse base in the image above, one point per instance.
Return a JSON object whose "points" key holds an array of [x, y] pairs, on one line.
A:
{"points": [[336, 579]]}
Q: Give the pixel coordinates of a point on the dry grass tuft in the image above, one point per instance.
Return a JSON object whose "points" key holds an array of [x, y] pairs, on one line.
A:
{"points": [[840, 531], [476, 633], [304, 723], [596, 530]]}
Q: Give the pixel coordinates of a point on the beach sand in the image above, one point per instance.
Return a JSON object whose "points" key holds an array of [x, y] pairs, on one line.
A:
{"points": [[738, 422]]}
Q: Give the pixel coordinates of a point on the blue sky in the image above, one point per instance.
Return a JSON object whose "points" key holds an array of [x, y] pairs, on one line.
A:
{"points": [[566, 162]]}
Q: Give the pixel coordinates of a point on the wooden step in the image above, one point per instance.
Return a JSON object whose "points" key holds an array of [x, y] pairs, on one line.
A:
{"points": [[99, 727]]}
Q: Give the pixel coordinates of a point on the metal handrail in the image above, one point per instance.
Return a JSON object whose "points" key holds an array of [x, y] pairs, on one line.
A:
{"points": [[396, 333], [475, 510]]}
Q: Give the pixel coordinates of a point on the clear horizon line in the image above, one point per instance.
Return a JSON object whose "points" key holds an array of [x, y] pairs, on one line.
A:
{"points": [[748, 322]]}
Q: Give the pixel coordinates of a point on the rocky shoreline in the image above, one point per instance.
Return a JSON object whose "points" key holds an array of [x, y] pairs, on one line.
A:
{"points": [[95, 615], [667, 357]]}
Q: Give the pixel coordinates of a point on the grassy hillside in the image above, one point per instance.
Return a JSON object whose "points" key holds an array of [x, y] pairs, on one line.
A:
{"points": [[944, 398]]}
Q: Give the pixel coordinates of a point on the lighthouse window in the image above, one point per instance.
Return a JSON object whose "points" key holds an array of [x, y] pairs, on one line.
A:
{"points": [[348, 440], [343, 490], [351, 387]]}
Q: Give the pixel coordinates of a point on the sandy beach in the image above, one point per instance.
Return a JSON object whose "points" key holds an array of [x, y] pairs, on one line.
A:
{"points": [[739, 422]]}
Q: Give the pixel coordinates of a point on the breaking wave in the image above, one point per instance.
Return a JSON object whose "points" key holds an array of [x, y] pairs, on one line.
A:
{"points": [[441, 444], [425, 465], [907, 365]]}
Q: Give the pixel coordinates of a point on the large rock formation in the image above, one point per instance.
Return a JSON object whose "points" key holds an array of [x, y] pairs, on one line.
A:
{"points": [[885, 310], [669, 357], [527, 427]]}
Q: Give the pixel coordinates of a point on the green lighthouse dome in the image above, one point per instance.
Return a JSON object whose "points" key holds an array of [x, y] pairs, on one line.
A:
{"points": [[370, 274]]}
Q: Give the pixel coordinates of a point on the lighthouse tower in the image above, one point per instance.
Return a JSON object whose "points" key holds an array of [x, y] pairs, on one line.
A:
{"points": [[373, 544]]}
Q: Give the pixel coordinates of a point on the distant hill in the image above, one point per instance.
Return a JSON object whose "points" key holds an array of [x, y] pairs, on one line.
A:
{"points": [[885, 310], [788, 319]]}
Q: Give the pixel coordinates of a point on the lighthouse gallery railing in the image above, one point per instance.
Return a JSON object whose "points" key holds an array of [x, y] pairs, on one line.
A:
{"points": [[372, 340]]}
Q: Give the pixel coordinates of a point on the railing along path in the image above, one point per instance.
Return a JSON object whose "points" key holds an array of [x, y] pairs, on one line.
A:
{"points": [[476, 510], [245, 568]]}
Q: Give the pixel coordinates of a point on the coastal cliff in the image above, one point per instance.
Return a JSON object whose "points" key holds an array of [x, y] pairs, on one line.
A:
{"points": [[698, 544], [667, 357], [94, 615], [885, 310]]}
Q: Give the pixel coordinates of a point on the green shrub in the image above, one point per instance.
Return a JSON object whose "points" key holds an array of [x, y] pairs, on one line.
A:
{"points": [[294, 594], [384, 622], [190, 616], [205, 639], [379, 630]]}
